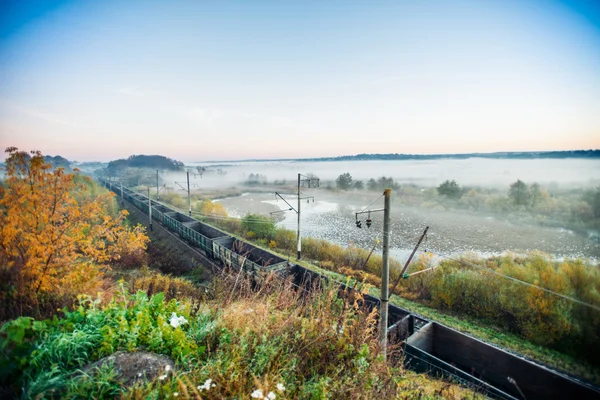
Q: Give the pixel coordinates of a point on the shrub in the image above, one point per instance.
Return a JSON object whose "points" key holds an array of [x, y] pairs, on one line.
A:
{"points": [[172, 287], [450, 189], [262, 226]]}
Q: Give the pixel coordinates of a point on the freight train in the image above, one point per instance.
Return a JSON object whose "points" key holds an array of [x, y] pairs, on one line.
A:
{"points": [[427, 346]]}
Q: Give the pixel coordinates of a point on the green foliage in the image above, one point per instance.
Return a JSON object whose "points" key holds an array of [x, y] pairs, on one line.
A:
{"points": [[143, 161], [15, 346], [42, 356], [172, 287], [382, 183], [519, 193], [535, 194], [344, 181], [255, 180], [58, 162], [450, 189], [259, 226], [145, 324], [592, 197], [538, 316], [273, 341], [103, 384]]}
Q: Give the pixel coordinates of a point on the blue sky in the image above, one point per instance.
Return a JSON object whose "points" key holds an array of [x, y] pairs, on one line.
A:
{"points": [[205, 80]]}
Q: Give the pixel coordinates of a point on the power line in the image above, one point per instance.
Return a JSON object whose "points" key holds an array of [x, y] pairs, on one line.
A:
{"points": [[550, 291], [373, 202], [199, 214], [523, 282]]}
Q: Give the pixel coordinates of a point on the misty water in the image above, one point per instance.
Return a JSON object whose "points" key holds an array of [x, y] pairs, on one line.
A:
{"points": [[331, 216]]}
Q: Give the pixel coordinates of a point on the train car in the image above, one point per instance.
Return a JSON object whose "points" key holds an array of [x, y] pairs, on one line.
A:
{"points": [[158, 212], [445, 351], [202, 236], [428, 346], [238, 254], [173, 221]]}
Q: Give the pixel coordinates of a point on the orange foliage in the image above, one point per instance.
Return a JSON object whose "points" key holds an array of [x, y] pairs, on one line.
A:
{"points": [[207, 207], [55, 237]]}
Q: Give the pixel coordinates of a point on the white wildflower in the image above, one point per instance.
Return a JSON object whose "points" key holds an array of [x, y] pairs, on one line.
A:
{"points": [[280, 387], [207, 385], [167, 368], [257, 394], [175, 394], [162, 377], [139, 374], [175, 321], [271, 396]]}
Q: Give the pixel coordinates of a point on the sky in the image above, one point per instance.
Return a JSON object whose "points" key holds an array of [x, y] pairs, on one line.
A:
{"points": [[223, 80]]}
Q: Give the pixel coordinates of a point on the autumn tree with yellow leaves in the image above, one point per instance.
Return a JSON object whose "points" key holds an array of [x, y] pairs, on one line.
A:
{"points": [[56, 238]]}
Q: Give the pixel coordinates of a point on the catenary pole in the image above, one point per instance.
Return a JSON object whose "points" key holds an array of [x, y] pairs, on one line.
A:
{"points": [[385, 273], [189, 194], [149, 209], [299, 237]]}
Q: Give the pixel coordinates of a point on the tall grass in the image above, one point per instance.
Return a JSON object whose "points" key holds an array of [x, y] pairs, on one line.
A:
{"points": [[262, 337]]}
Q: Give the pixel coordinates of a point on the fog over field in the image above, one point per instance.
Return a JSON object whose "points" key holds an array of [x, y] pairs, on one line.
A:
{"points": [[567, 173], [452, 231]]}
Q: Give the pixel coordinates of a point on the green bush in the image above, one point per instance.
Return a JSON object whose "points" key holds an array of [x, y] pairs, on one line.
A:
{"points": [[269, 341], [261, 226]]}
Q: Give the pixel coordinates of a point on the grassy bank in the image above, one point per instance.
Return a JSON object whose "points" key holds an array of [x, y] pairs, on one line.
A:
{"points": [[468, 295], [229, 342]]}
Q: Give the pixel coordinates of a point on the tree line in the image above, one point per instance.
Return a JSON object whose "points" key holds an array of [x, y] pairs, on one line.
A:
{"points": [[143, 161], [346, 182]]}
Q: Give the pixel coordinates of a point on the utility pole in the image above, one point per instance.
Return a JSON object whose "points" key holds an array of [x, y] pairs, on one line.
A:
{"points": [[157, 198], [149, 209], [385, 268], [189, 194], [312, 181], [121, 193], [299, 237], [385, 274]]}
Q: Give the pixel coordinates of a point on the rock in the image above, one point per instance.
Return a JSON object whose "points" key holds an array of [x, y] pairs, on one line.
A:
{"points": [[136, 366]]}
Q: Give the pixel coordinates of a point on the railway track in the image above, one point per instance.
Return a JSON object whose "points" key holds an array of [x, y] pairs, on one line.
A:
{"points": [[428, 346]]}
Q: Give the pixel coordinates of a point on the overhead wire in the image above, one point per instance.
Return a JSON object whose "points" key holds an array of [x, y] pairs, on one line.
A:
{"points": [[373, 202], [463, 262], [547, 290], [550, 291], [255, 274], [217, 217]]}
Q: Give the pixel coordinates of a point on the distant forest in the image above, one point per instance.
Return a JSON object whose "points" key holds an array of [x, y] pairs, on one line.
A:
{"points": [[500, 155], [142, 161], [58, 162], [587, 154]]}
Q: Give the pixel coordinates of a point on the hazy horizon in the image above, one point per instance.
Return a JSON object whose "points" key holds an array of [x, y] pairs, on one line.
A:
{"points": [[192, 161], [241, 80]]}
